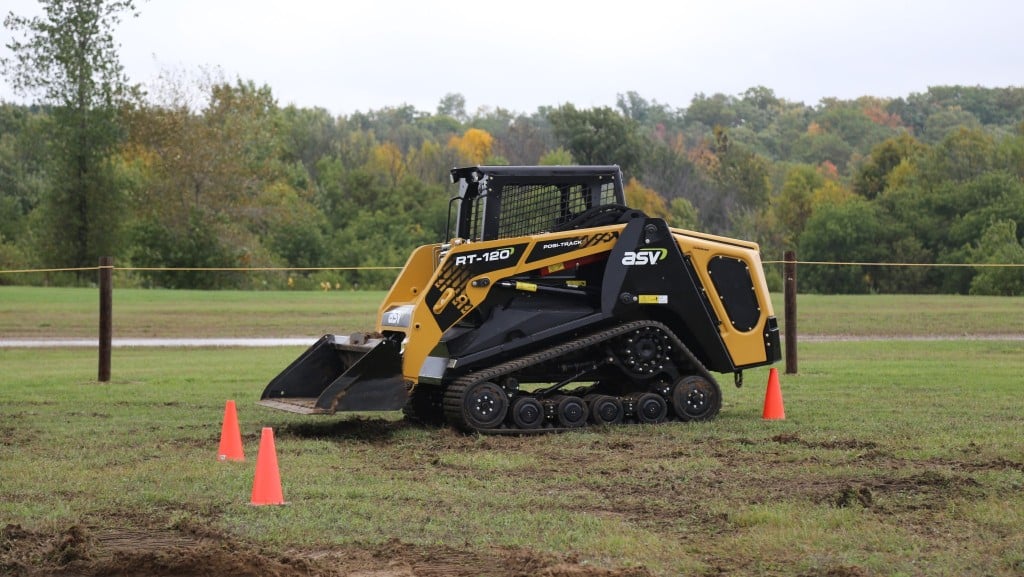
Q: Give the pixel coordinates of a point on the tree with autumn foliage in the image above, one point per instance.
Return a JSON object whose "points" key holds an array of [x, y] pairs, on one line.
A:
{"points": [[474, 146]]}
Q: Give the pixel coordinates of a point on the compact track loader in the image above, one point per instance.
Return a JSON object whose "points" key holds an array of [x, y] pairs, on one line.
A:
{"points": [[553, 305]]}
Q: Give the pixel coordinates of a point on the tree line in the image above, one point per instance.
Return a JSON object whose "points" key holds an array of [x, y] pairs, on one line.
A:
{"points": [[205, 172]]}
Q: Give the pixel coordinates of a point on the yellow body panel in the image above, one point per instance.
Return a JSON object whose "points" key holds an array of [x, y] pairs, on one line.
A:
{"points": [[412, 285], [458, 292], [745, 347]]}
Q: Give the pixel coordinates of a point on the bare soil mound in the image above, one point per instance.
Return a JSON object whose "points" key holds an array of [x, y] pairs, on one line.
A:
{"points": [[194, 552]]}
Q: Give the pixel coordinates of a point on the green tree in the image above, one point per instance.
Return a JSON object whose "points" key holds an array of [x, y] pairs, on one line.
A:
{"points": [[557, 157], [307, 134], [528, 139], [599, 136], [1011, 152], [817, 146], [23, 158], [228, 170], [670, 171], [963, 154], [795, 202], [741, 172], [68, 60], [872, 176], [849, 121], [453, 105], [1000, 245], [653, 114], [711, 111], [682, 213], [758, 107], [944, 122], [854, 231]]}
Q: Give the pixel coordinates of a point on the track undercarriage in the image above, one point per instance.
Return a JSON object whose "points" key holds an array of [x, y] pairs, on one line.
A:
{"points": [[637, 372]]}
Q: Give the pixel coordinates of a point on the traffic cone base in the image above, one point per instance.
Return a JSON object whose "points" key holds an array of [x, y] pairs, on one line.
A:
{"points": [[773, 409], [230, 436], [266, 487]]}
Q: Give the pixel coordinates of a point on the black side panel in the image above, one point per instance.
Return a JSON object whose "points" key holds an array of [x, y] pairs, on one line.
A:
{"points": [[524, 315], [648, 278], [732, 282]]}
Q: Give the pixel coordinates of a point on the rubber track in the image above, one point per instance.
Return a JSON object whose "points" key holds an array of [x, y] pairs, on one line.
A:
{"points": [[453, 395]]}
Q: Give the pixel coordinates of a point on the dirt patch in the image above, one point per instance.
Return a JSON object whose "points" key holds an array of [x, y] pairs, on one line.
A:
{"points": [[194, 551], [838, 571], [850, 496], [838, 444], [367, 430], [16, 436]]}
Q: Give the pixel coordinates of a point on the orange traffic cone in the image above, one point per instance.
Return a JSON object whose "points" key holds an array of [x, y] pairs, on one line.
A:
{"points": [[266, 488], [773, 408], [230, 436]]}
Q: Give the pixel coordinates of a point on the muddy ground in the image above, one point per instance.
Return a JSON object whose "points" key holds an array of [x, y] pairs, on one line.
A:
{"points": [[139, 552], [913, 495]]}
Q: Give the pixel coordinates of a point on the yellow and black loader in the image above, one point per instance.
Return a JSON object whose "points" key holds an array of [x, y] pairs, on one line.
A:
{"points": [[553, 305]]}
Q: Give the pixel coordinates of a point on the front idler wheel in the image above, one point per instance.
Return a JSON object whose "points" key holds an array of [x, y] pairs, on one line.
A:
{"points": [[527, 413], [695, 398], [484, 406]]}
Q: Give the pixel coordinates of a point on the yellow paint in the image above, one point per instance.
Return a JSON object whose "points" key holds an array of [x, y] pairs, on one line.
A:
{"points": [[653, 299], [745, 347]]}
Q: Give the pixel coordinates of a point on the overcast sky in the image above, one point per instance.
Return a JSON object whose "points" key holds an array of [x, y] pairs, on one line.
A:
{"points": [[347, 56]]}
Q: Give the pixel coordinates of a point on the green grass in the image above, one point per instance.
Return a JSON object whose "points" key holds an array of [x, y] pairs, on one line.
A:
{"points": [[33, 312], [896, 458], [906, 315]]}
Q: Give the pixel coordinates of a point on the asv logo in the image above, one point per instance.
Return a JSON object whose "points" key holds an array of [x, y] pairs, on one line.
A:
{"points": [[649, 256]]}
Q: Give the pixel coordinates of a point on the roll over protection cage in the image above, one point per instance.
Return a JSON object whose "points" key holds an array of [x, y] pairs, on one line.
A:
{"points": [[496, 202]]}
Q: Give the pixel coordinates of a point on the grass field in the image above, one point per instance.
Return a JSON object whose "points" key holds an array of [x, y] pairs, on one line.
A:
{"points": [[896, 458], [33, 312]]}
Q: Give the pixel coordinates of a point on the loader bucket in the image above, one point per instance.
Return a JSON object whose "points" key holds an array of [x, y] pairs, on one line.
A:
{"points": [[340, 374]]}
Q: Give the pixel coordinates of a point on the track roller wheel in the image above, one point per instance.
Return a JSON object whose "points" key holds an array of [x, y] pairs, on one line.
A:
{"points": [[571, 412], [527, 413], [694, 398], [477, 406], [604, 410], [651, 408]]}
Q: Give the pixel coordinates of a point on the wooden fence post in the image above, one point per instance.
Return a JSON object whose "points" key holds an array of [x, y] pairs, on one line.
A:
{"points": [[106, 315], [789, 298]]}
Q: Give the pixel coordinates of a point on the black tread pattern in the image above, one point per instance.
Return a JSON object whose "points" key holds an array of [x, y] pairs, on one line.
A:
{"points": [[455, 392], [423, 406]]}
